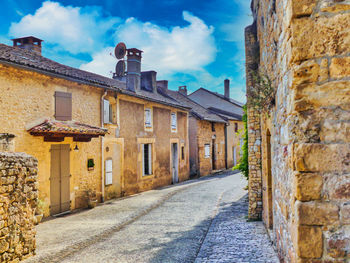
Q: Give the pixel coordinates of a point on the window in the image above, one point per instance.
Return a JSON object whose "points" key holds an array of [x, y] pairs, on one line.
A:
{"points": [[183, 152], [148, 118], [109, 172], [236, 127], [213, 126], [173, 121], [206, 150], [106, 112], [63, 106], [147, 159]]}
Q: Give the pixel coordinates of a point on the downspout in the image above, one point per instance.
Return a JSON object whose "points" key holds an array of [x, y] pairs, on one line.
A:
{"points": [[226, 161], [102, 149]]}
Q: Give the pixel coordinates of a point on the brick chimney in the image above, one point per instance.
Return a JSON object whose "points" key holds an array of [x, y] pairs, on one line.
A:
{"points": [[30, 43], [163, 84], [149, 81], [183, 90], [227, 88], [133, 77]]}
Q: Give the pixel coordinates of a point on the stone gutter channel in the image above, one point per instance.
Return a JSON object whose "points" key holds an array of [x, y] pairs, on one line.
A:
{"points": [[56, 241]]}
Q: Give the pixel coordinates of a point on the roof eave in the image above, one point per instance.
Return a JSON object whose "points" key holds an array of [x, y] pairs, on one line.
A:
{"points": [[52, 74]]}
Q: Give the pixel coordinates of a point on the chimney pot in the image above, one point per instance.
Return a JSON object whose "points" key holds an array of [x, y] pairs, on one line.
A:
{"points": [[29, 43], [183, 90], [227, 88], [133, 77]]}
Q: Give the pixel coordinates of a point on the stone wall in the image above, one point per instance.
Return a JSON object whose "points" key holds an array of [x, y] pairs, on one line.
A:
{"points": [[205, 136], [304, 49], [18, 200]]}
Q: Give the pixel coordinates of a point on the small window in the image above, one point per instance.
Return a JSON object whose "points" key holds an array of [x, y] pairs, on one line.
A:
{"points": [[109, 172], [147, 159], [206, 150], [90, 164], [236, 127], [213, 126], [183, 152], [148, 118], [173, 121], [110, 113], [63, 106], [106, 111]]}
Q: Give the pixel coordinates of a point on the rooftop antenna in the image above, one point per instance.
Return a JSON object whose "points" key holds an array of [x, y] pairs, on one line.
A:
{"points": [[119, 53]]}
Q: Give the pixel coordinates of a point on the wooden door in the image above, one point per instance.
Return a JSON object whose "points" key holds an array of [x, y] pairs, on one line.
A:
{"points": [[213, 155], [175, 164], [60, 179]]}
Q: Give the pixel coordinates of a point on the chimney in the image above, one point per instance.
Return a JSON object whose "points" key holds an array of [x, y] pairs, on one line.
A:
{"points": [[133, 77], [29, 43], [227, 88], [149, 81], [163, 84], [183, 90]]}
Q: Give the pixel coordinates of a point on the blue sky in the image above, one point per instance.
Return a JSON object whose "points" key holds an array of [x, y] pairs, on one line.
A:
{"points": [[193, 43]]}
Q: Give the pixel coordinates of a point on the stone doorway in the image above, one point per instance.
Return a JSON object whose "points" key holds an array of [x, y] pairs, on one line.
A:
{"points": [[269, 180]]}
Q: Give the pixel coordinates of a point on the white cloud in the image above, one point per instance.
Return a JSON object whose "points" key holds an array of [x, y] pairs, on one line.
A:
{"points": [[233, 29], [165, 50], [74, 29]]}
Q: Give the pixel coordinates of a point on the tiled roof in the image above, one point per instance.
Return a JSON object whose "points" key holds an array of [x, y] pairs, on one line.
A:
{"points": [[196, 109], [49, 126], [33, 60], [240, 104], [226, 114]]}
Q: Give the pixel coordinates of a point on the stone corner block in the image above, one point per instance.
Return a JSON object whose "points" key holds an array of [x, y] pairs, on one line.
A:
{"points": [[307, 186], [317, 213], [309, 242]]}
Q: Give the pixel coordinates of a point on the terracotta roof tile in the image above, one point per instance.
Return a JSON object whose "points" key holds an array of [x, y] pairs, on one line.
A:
{"points": [[67, 128]]}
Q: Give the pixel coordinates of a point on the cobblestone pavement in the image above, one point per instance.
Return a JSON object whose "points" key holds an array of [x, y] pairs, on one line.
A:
{"points": [[160, 226], [231, 239]]}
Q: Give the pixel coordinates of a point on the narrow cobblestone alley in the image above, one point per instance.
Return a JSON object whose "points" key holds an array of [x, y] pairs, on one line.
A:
{"points": [[198, 221]]}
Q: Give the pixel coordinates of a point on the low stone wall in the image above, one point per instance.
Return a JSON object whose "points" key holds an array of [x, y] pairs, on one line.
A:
{"points": [[18, 199]]}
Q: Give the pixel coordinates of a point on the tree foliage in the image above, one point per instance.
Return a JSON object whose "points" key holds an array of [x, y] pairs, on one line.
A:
{"points": [[243, 162]]}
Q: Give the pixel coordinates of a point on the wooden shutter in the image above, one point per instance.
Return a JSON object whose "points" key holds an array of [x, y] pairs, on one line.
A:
{"points": [[105, 111], [173, 121], [109, 172], [63, 106], [207, 150], [149, 158], [148, 118]]}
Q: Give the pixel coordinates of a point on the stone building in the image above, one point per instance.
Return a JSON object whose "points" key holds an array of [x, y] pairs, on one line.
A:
{"points": [[56, 114], [206, 135], [231, 111], [298, 130]]}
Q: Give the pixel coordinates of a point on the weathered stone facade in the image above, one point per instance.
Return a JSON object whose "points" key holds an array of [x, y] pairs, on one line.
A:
{"points": [[299, 175], [18, 202]]}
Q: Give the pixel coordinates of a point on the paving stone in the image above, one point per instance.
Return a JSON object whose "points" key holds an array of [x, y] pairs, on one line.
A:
{"points": [[231, 238]]}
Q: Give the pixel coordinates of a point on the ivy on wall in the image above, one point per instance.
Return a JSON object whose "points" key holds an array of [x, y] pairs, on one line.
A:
{"points": [[243, 162], [262, 95]]}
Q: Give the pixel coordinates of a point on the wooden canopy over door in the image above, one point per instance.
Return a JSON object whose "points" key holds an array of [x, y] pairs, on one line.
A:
{"points": [[60, 179]]}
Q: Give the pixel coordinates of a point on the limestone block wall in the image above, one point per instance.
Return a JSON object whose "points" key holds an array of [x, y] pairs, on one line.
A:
{"points": [[304, 49], [254, 131], [18, 200], [205, 136]]}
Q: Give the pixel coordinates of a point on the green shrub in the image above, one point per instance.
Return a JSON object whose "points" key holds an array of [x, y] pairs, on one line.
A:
{"points": [[243, 162]]}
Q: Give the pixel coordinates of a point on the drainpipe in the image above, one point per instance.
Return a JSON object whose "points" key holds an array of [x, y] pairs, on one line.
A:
{"points": [[226, 147], [102, 149]]}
